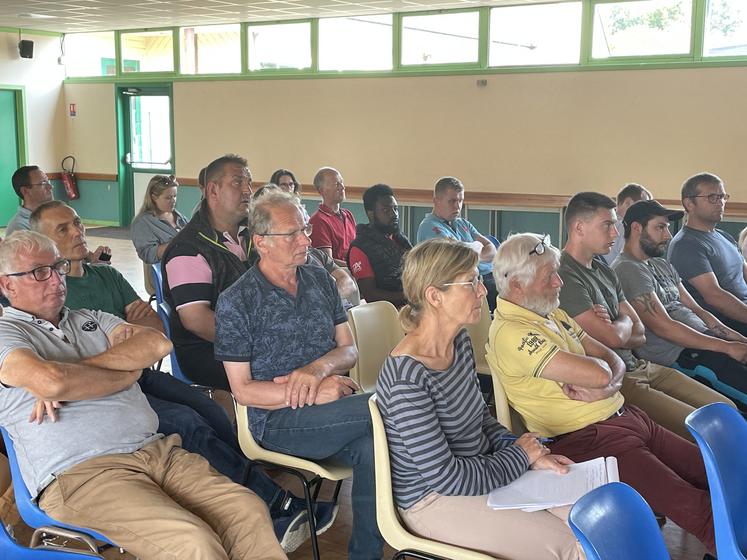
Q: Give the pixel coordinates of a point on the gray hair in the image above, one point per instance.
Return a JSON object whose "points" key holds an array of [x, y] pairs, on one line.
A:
{"points": [[260, 216], [319, 177], [38, 215], [22, 243], [515, 259]]}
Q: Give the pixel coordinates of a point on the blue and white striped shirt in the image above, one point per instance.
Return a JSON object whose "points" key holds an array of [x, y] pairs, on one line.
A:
{"points": [[441, 436]]}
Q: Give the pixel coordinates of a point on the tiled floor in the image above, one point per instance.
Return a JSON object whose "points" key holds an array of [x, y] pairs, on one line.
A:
{"points": [[333, 543]]}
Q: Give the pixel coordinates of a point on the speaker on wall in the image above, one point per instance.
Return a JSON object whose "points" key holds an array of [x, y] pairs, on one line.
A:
{"points": [[26, 48]]}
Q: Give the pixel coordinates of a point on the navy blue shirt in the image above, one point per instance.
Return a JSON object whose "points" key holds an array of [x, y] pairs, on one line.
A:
{"points": [[264, 325]]}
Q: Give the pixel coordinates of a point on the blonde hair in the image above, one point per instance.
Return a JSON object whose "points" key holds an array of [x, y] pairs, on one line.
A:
{"points": [[156, 186], [517, 258], [742, 239], [431, 263]]}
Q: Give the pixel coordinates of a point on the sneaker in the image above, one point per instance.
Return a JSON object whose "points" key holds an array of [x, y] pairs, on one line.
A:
{"points": [[324, 515], [292, 525]]}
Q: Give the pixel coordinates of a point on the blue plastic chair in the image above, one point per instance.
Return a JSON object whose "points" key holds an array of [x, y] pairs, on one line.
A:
{"points": [[613, 522], [720, 432], [494, 240], [11, 550], [709, 375], [155, 270], [35, 518]]}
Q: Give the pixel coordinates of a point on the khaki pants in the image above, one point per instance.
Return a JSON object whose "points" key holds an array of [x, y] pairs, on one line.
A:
{"points": [[163, 502], [667, 395], [511, 534]]}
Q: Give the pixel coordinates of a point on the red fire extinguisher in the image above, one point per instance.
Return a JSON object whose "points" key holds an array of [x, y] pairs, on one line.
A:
{"points": [[68, 179]]}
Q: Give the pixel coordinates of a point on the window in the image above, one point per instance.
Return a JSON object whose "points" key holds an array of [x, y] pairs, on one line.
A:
{"points": [[153, 50], [541, 34], [726, 28], [440, 38], [210, 49], [86, 54], [642, 28], [355, 43], [283, 45], [150, 131]]}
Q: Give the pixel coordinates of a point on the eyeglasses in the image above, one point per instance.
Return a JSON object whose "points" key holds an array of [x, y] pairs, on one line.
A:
{"points": [[475, 282], [46, 183], [306, 230], [713, 198], [44, 273], [540, 247]]}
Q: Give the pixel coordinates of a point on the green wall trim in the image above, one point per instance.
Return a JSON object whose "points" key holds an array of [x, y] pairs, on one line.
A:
{"points": [[25, 31], [88, 222]]}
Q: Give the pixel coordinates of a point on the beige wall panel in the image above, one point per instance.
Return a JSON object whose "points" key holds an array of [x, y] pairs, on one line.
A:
{"points": [[42, 78], [91, 134], [554, 133]]}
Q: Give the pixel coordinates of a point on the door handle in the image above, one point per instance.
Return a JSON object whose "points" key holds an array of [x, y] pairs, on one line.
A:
{"points": [[128, 158]]}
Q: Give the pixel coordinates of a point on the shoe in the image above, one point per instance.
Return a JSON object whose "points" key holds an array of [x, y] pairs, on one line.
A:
{"points": [[292, 525], [325, 514]]}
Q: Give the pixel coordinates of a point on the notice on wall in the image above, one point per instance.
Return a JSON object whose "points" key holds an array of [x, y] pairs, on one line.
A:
{"points": [[73, 110]]}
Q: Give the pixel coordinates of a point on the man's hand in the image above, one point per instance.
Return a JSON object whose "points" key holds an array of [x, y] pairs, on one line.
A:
{"points": [[121, 335], [584, 394], [300, 387], [42, 408], [95, 257], [736, 350], [138, 309], [335, 387], [531, 445], [601, 312], [557, 463]]}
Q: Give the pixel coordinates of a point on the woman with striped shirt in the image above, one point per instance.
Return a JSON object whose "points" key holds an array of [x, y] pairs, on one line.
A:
{"points": [[447, 452]]}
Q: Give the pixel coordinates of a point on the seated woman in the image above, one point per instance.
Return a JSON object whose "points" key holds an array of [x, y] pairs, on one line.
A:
{"points": [[158, 220], [447, 452], [286, 180]]}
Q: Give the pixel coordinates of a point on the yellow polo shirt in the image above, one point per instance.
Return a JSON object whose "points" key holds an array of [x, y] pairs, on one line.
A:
{"points": [[520, 345]]}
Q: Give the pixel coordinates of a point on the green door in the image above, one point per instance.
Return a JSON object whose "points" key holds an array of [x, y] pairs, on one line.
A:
{"points": [[9, 156]]}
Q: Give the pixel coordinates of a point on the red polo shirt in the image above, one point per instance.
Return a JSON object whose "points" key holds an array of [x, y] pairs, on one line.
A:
{"points": [[332, 230]]}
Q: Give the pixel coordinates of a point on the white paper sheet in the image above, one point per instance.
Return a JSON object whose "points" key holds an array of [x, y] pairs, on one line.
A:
{"points": [[542, 489]]}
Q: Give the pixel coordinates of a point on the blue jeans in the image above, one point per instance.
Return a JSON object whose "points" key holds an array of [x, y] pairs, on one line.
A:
{"points": [[340, 430], [205, 429]]}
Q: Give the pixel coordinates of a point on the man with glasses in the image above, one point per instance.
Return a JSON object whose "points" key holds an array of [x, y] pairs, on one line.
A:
{"points": [[565, 385], [711, 266], [446, 221], [283, 336], [33, 187], [92, 455], [679, 332]]}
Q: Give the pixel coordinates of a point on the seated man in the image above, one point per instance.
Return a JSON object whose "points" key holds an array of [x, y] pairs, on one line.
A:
{"points": [[204, 258], [708, 259], [284, 340], [445, 221], [97, 461], [593, 296], [628, 195], [677, 329], [375, 256], [33, 187], [565, 385], [333, 226]]}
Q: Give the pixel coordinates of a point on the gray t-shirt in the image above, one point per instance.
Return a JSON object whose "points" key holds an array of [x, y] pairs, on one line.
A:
{"points": [[120, 423], [19, 222], [694, 252], [584, 288], [656, 275]]}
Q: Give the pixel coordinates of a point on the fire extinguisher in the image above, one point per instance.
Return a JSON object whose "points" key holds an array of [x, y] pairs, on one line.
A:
{"points": [[68, 179]]}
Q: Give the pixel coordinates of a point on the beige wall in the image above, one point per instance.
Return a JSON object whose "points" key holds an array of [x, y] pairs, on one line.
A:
{"points": [[92, 135], [552, 133], [42, 78]]}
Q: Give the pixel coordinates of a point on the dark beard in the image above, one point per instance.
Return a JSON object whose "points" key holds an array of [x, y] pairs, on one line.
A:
{"points": [[650, 248], [385, 229]]}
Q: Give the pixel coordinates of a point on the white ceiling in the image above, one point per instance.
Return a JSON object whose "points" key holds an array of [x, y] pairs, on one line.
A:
{"points": [[102, 15]]}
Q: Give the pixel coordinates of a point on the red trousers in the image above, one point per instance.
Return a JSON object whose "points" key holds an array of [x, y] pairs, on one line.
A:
{"points": [[664, 468]]}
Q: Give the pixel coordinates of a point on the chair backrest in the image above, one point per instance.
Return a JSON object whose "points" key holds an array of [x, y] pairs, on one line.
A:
{"points": [[613, 522], [150, 289], [503, 411], [30, 512], [478, 333], [387, 518], [720, 432], [157, 276], [376, 330], [164, 311]]}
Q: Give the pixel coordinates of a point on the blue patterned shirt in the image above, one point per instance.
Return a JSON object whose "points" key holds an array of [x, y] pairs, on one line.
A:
{"points": [[259, 323]]}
